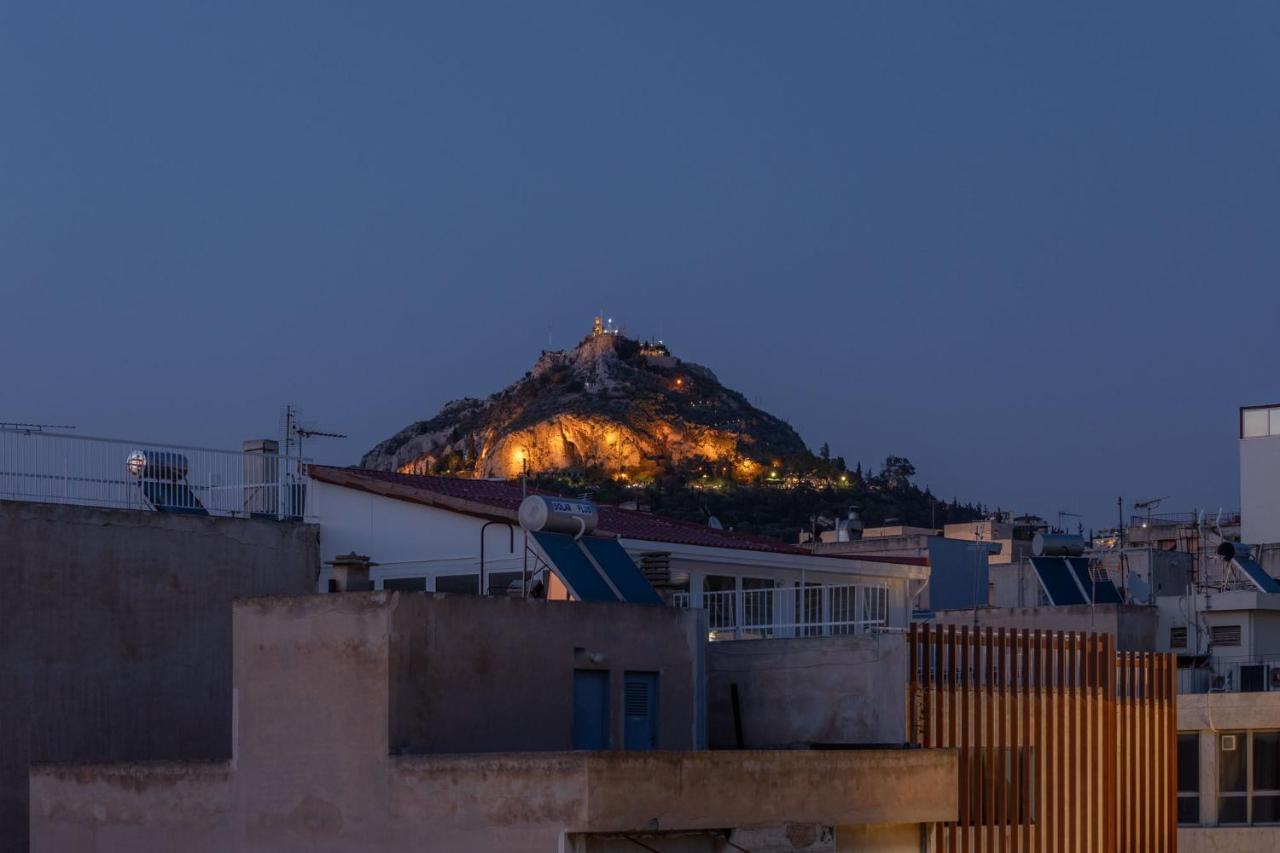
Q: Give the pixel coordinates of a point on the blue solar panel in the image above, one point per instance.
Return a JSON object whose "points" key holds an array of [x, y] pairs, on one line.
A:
{"points": [[1257, 574], [571, 564], [621, 570], [1058, 580], [1102, 589]]}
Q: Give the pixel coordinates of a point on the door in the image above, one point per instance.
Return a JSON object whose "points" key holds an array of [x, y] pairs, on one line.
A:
{"points": [[590, 709], [640, 695]]}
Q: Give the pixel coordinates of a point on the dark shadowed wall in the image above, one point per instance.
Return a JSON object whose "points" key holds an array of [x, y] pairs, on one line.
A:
{"points": [[115, 634]]}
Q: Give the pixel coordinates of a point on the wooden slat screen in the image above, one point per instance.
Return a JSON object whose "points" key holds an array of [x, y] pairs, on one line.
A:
{"points": [[1065, 745]]}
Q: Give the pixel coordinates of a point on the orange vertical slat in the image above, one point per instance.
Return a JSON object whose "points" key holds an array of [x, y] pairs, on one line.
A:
{"points": [[1024, 794], [1072, 730], [988, 711], [1001, 710], [1110, 790], [939, 710], [966, 742], [1041, 827], [912, 736], [926, 687], [952, 685]]}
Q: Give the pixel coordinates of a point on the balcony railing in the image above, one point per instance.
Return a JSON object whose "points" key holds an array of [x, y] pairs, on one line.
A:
{"points": [[52, 467], [1228, 675], [812, 611]]}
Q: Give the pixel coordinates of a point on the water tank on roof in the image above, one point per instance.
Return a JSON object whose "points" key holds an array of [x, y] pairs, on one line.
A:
{"points": [[1232, 550], [540, 513], [1057, 545]]}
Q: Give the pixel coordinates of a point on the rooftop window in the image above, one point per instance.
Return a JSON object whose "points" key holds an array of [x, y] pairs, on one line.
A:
{"points": [[1259, 421]]}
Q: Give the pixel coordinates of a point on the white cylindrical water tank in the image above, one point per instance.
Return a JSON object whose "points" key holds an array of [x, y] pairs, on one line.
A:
{"points": [[557, 515]]}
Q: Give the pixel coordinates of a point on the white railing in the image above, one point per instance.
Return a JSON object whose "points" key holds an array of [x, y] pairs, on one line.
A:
{"points": [[811, 611], [53, 467]]}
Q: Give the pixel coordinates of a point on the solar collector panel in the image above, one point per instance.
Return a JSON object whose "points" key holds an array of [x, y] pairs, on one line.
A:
{"points": [[571, 564], [1058, 580], [621, 571]]}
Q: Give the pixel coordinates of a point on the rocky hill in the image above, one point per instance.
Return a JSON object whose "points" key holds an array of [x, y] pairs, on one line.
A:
{"points": [[610, 404]]}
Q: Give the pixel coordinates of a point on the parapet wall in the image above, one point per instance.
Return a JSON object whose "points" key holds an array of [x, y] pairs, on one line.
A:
{"points": [[115, 634]]}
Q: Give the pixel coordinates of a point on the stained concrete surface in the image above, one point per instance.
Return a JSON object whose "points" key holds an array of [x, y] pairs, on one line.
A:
{"points": [[793, 693], [115, 634]]}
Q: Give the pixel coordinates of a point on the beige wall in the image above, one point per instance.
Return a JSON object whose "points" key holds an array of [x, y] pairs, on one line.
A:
{"points": [[504, 803], [315, 768], [813, 690], [1229, 839]]}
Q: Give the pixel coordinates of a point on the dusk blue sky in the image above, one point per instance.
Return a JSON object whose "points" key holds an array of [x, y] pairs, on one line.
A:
{"points": [[1033, 247]]}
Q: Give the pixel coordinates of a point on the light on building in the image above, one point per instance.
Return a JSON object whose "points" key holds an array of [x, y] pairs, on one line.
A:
{"points": [[135, 462]]}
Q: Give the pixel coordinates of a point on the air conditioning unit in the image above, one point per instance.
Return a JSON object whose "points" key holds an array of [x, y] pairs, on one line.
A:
{"points": [[1228, 743], [1253, 678]]}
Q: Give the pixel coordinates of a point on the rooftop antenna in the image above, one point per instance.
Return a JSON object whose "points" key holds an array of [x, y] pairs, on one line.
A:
{"points": [[17, 426], [1062, 513], [1148, 506], [295, 432]]}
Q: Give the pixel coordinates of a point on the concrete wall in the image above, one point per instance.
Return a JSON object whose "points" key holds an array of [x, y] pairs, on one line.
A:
{"points": [[813, 690], [115, 634], [321, 719], [1134, 626], [517, 659], [497, 803], [1260, 489], [1229, 839]]}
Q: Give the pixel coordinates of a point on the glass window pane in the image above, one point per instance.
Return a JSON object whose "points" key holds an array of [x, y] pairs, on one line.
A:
{"points": [[1255, 423], [1232, 763], [1189, 763], [406, 584], [1232, 810], [501, 583], [458, 584], [1189, 810], [1266, 809], [1266, 761]]}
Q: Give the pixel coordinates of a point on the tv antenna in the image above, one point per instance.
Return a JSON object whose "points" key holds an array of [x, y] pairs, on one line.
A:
{"points": [[295, 433], [1062, 513], [1148, 506]]}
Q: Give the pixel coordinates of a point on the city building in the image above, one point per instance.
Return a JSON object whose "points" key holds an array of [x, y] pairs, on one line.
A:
{"points": [[395, 720], [445, 534]]}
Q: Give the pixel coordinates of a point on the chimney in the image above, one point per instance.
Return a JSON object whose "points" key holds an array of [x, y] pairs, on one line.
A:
{"points": [[261, 476], [351, 573]]}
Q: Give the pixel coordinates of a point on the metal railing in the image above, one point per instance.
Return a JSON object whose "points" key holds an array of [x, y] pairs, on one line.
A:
{"points": [[51, 467], [1239, 674], [778, 612]]}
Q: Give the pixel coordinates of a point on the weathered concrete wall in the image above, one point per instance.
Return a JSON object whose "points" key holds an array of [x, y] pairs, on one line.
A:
{"points": [[1227, 711], [1228, 839], [810, 690], [516, 659], [155, 806], [115, 634], [1134, 626], [498, 803]]}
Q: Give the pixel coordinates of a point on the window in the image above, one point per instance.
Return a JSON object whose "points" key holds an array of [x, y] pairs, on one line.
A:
{"points": [[1189, 778], [406, 584], [1225, 635], [1233, 778], [501, 583], [1178, 637], [458, 584], [1265, 800], [1260, 422]]}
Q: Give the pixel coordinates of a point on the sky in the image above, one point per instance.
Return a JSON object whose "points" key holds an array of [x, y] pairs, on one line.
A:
{"points": [[1032, 247]]}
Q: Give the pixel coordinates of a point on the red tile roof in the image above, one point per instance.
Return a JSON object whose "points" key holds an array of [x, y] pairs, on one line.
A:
{"points": [[493, 498]]}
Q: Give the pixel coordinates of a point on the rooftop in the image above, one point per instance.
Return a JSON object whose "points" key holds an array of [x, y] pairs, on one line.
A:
{"points": [[501, 499]]}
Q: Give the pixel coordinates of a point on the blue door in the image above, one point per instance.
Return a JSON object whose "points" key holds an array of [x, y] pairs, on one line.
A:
{"points": [[640, 695], [590, 709]]}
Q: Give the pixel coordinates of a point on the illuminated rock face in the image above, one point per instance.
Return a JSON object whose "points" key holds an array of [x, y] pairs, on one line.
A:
{"points": [[610, 403]]}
